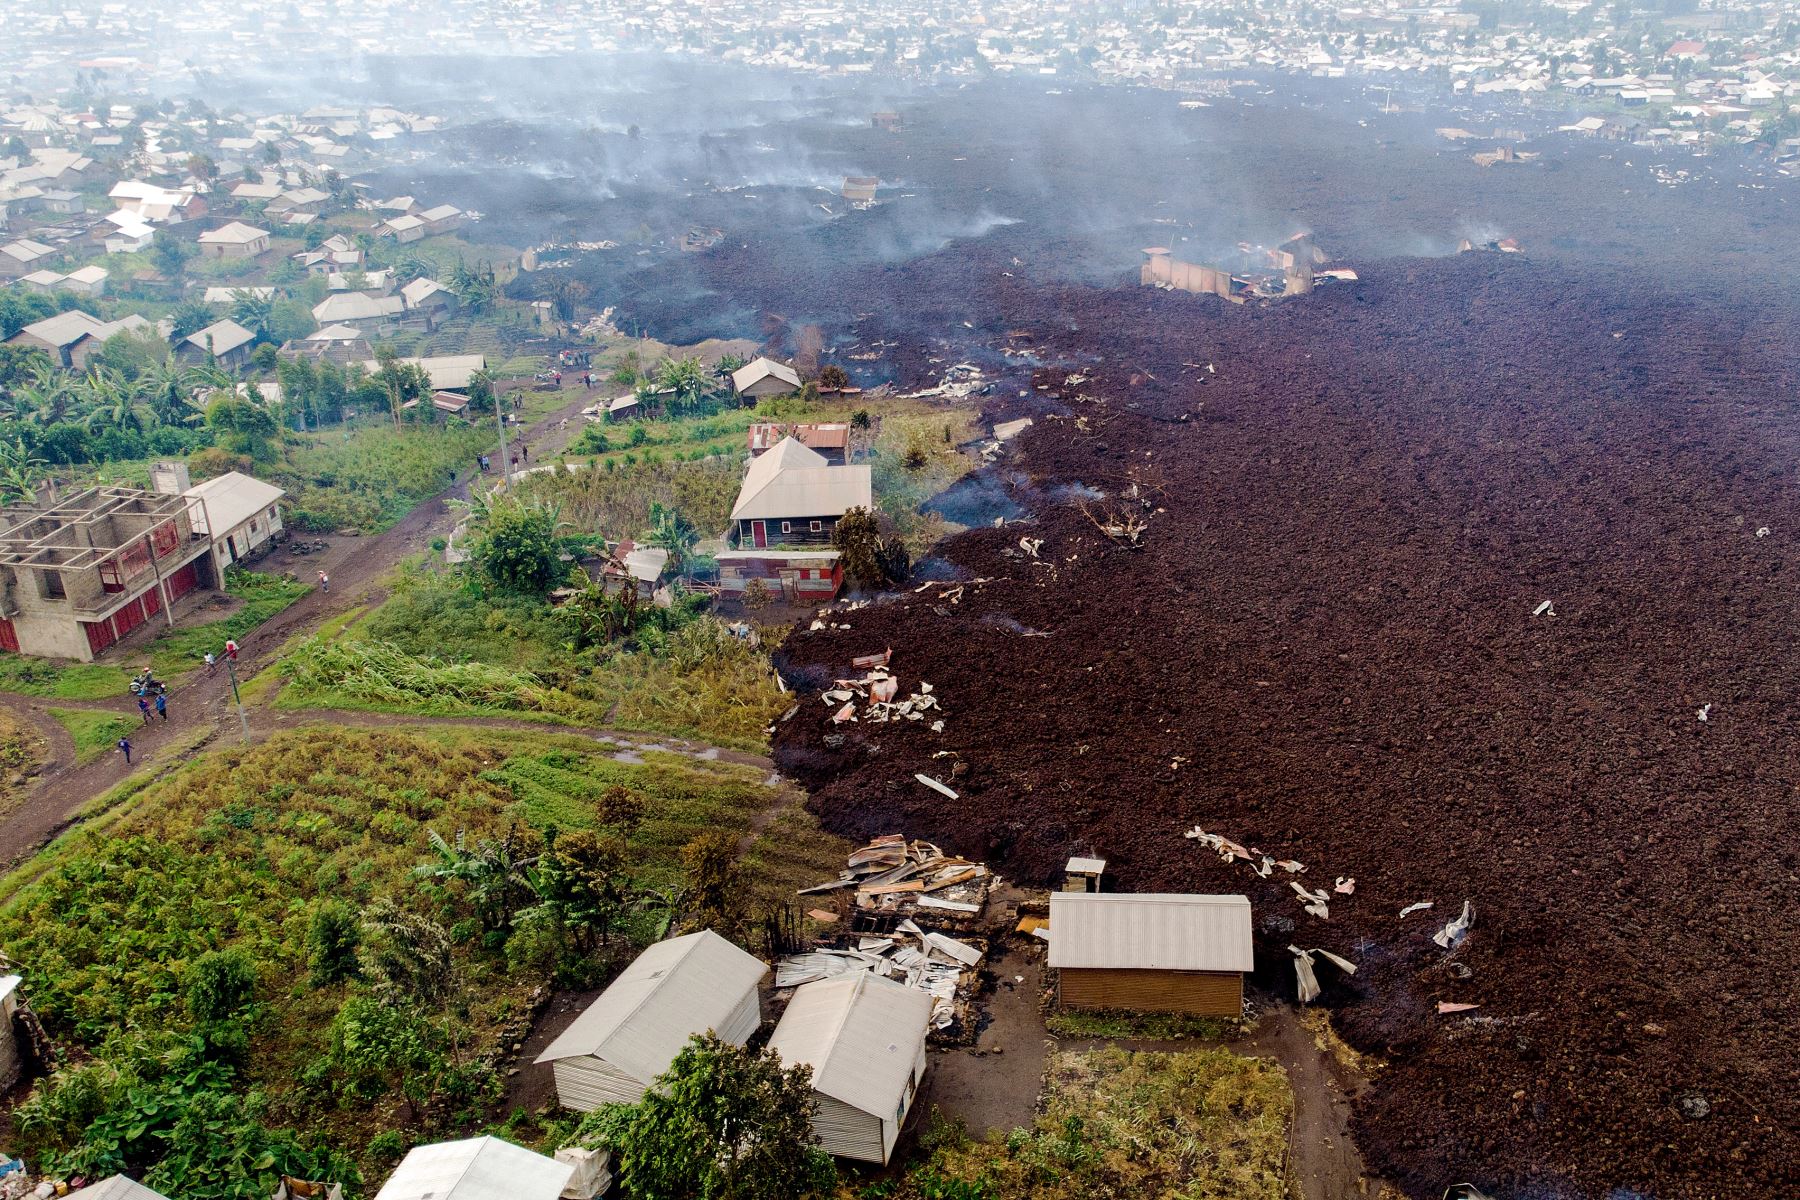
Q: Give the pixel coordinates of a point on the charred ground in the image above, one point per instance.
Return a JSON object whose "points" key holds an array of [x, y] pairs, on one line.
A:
{"points": [[1326, 649]]}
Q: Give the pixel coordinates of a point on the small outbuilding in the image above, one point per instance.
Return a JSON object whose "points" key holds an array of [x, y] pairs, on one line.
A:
{"points": [[1151, 953], [864, 1038], [483, 1168], [239, 513], [632, 1032]]}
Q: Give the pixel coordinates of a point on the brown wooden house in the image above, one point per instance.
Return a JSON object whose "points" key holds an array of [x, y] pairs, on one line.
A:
{"points": [[1151, 953]]}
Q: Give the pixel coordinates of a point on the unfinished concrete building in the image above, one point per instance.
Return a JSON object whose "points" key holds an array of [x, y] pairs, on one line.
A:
{"points": [[80, 573]]}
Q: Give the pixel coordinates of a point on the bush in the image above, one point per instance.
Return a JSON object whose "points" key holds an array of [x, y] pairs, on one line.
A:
{"points": [[332, 937], [517, 548]]}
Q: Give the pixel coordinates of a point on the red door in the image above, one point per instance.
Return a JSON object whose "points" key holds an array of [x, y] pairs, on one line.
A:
{"points": [[759, 534], [9, 637]]}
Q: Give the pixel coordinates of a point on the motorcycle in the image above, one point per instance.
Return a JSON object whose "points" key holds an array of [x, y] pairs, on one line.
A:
{"points": [[147, 685]]}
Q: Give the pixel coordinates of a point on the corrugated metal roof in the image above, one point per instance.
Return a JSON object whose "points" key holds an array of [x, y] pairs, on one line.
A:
{"points": [[673, 990], [117, 1187], [483, 1168], [232, 499], [794, 481], [1151, 931], [753, 373], [860, 1034]]}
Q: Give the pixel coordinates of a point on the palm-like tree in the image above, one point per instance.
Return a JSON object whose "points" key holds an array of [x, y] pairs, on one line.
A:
{"points": [[687, 380], [252, 311], [46, 397], [108, 399], [167, 387], [20, 471]]}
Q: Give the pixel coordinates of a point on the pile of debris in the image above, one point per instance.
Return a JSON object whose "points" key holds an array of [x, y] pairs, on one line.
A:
{"points": [[932, 962], [894, 878], [878, 692]]}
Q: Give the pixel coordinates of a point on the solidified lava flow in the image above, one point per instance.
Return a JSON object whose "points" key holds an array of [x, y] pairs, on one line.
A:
{"points": [[1328, 646]]}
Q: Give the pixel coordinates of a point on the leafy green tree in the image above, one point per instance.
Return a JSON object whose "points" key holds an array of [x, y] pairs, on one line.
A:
{"points": [[108, 400], [166, 387], [872, 557], [475, 286], [252, 310], [723, 1123], [712, 883], [332, 937], [687, 382], [220, 986], [18, 365], [189, 317], [517, 548], [406, 956], [582, 877], [495, 874], [241, 426], [671, 531], [833, 379], [170, 255], [21, 471], [378, 1049]]}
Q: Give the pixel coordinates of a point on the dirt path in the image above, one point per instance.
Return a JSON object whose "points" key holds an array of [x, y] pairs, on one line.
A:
{"points": [[992, 1087], [200, 706]]}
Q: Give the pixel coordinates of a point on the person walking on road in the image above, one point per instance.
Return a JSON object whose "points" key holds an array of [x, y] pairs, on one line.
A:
{"points": [[144, 709], [324, 582], [125, 748], [162, 706], [212, 663]]}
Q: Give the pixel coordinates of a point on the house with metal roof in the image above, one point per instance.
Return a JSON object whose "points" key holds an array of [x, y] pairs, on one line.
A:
{"points": [[764, 377], [790, 502], [864, 1038], [224, 340], [236, 240], [240, 514], [447, 372], [483, 1168], [632, 1032], [11, 1063], [1156, 952]]}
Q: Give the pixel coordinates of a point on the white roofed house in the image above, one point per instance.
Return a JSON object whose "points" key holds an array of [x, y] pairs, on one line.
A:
{"points": [[864, 1038], [446, 372], [632, 1032], [764, 377], [241, 516], [357, 308], [403, 229], [11, 1062], [428, 295], [236, 240], [117, 1187], [790, 502], [483, 1168], [443, 218], [1155, 952]]}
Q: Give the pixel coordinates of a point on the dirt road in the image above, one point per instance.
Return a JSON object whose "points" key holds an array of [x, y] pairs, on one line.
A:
{"points": [[200, 707]]}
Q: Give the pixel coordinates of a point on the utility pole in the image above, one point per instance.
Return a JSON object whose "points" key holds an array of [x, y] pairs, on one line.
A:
{"points": [[500, 420], [237, 697]]}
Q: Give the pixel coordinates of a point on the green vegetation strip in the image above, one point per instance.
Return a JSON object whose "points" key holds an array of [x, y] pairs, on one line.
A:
{"points": [[1198, 1125]]}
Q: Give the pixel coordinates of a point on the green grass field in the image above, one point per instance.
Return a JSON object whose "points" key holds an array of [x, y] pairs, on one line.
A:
{"points": [[94, 731]]}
